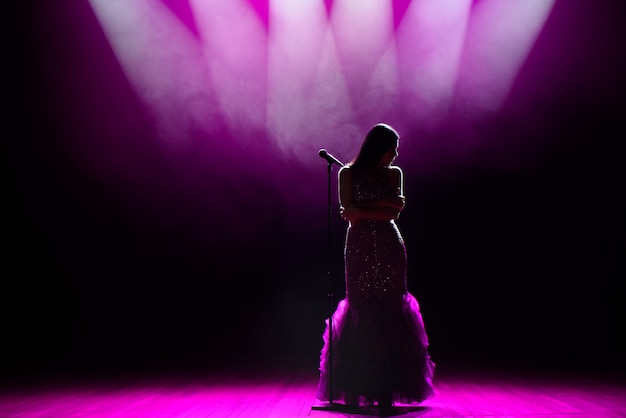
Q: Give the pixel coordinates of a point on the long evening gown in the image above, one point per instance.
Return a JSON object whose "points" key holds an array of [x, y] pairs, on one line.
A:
{"points": [[380, 346]]}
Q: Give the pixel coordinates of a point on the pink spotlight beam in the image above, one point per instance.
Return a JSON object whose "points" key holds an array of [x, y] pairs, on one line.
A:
{"points": [[499, 37]]}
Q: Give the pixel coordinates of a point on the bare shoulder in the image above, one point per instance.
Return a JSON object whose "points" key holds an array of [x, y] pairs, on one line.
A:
{"points": [[396, 178], [344, 171], [395, 170]]}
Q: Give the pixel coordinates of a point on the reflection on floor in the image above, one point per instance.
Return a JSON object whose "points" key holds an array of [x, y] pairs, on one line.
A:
{"points": [[292, 394]]}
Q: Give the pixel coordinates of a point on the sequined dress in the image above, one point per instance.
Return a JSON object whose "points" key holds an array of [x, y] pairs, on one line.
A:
{"points": [[380, 346]]}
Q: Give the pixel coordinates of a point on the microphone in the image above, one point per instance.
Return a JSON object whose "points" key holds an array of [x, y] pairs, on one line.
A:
{"points": [[328, 157]]}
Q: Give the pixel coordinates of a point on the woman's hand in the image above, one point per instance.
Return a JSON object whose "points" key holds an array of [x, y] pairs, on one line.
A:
{"points": [[348, 213], [396, 202]]}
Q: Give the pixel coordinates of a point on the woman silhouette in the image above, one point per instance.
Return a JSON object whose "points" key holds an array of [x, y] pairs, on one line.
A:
{"points": [[380, 347]]}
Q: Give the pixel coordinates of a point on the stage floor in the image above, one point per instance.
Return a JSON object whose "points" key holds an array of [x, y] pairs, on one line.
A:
{"points": [[291, 393]]}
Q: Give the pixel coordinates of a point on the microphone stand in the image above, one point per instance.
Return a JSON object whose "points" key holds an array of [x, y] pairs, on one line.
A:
{"points": [[330, 289], [330, 160]]}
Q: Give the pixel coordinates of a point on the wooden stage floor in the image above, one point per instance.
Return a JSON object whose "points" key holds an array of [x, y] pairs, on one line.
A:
{"points": [[291, 393]]}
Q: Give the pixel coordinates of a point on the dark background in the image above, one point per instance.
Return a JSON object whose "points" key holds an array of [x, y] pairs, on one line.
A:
{"points": [[514, 264]]}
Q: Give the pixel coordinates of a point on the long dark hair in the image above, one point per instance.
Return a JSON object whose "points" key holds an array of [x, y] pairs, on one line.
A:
{"points": [[380, 139]]}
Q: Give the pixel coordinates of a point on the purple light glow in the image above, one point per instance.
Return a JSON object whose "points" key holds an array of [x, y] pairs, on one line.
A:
{"points": [[276, 74], [183, 11], [430, 42], [164, 64], [301, 53], [284, 395], [399, 9], [499, 37], [165, 159], [235, 50], [363, 37]]}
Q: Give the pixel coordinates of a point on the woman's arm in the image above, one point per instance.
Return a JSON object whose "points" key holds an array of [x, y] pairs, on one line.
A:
{"points": [[348, 209], [396, 199], [387, 208], [397, 179], [345, 187], [381, 214]]}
